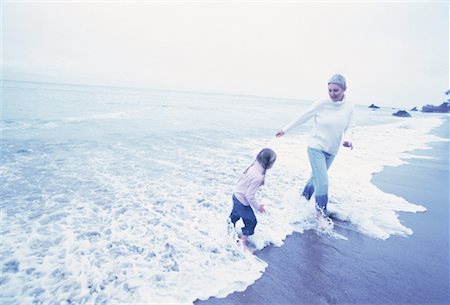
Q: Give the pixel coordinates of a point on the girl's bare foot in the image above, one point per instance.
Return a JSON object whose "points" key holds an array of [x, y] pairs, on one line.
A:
{"points": [[244, 244], [248, 249]]}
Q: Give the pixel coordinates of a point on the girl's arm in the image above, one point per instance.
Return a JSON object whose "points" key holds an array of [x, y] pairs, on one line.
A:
{"points": [[250, 195]]}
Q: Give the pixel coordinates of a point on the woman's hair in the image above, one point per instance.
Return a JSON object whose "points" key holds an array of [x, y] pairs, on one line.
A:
{"points": [[266, 158], [338, 80]]}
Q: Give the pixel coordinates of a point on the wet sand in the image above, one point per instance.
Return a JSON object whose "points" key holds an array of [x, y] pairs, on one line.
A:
{"points": [[314, 269]]}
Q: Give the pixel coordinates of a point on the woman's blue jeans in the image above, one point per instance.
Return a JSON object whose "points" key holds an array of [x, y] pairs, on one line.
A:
{"points": [[320, 163]]}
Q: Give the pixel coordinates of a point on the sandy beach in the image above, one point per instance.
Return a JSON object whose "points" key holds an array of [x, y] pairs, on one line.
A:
{"points": [[314, 269]]}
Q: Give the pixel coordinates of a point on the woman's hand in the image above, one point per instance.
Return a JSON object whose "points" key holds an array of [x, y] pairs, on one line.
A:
{"points": [[348, 144], [279, 133]]}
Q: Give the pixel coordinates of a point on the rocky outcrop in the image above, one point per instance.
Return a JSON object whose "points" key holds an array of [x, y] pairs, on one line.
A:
{"points": [[414, 109], [443, 108], [402, 113], [373, 106]]}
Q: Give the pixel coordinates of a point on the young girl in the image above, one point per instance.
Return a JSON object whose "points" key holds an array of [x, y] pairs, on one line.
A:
{"points": [[244, 195]]}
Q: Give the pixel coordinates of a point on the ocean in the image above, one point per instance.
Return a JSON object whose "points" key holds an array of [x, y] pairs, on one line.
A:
{"points": [[120, 195]]}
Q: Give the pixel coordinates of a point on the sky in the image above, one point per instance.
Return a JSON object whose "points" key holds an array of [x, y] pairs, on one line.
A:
{"points": [[391, 53]]}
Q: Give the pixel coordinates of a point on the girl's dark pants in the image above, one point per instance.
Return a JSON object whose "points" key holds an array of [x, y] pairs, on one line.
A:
{"points": [[246, 213]]}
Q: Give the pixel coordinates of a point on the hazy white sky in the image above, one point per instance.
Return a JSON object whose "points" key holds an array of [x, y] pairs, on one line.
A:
{"points": [[393, 54]]}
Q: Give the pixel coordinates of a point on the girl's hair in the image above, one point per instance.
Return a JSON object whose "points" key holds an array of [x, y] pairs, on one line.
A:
{"points": [[266, 158]]}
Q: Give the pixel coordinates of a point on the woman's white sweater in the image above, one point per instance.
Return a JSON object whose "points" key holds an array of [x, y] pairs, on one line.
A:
{"points": [[333, 123]]}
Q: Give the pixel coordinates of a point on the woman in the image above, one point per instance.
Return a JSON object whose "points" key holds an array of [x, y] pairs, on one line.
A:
{"points": [[333, 125]]}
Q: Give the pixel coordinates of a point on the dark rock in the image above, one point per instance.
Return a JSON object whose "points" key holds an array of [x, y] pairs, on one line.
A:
{"points": [[402, 113], [443, 108], [373, 106], [414, 109]]}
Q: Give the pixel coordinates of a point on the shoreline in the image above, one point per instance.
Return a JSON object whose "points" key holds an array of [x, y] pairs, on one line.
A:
{"points": [[314, 269]]}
